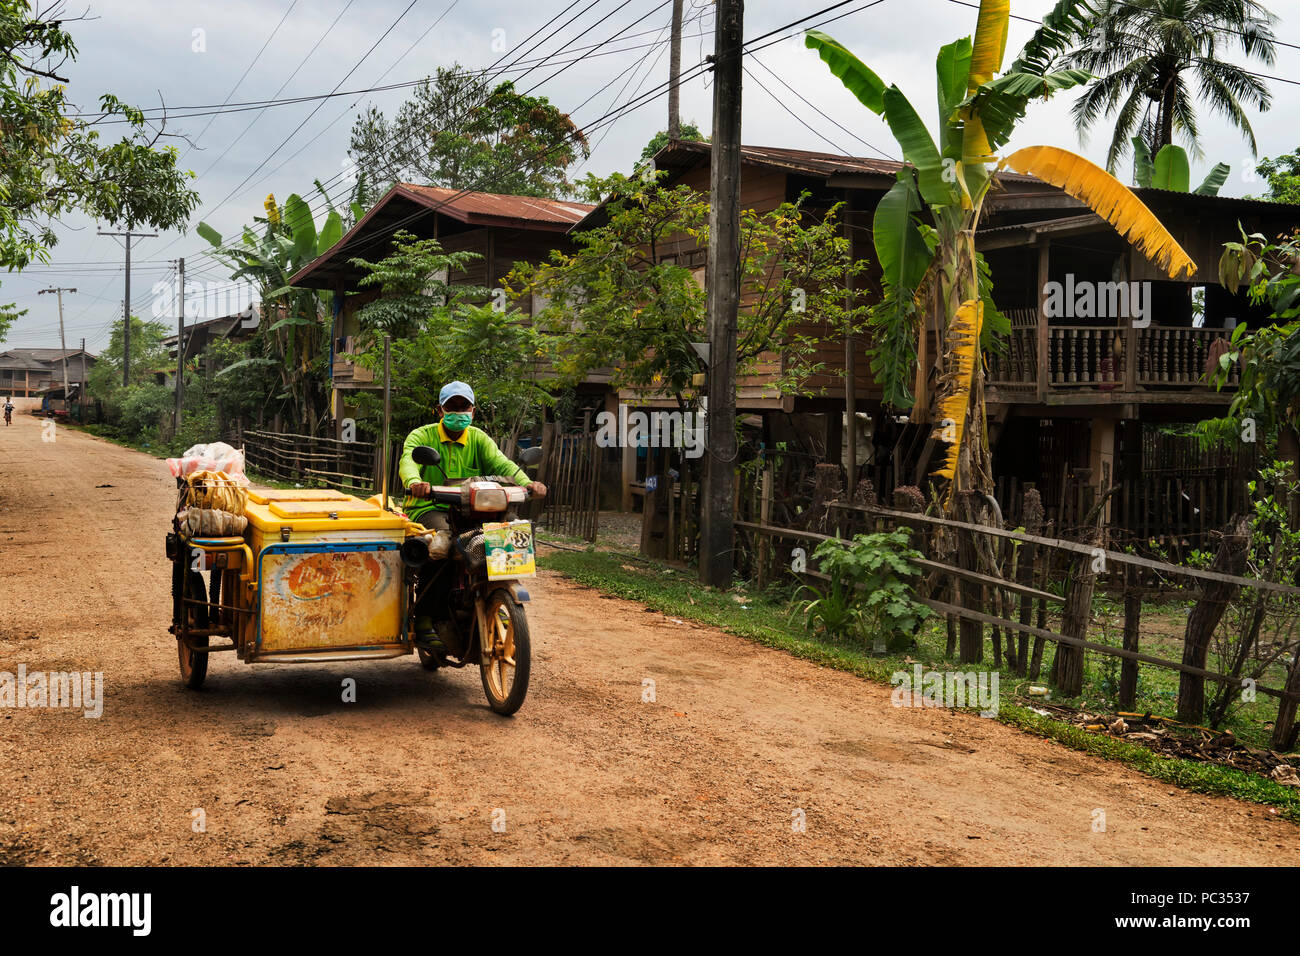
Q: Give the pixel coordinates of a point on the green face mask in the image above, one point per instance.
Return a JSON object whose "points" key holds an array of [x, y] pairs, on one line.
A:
{"points": [[457, 422]]}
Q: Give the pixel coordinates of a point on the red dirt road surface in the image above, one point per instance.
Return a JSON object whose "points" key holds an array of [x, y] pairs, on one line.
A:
{"points": [[739, 739]]}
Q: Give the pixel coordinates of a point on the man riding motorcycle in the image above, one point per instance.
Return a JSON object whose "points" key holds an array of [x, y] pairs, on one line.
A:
{"points": [[9, 411], [466, 452]]}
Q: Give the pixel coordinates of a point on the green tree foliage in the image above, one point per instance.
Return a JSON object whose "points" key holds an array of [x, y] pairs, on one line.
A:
{"points": [[447, 335], [1154, 59], [458, 130], [633, 306], [1283, 177], [54, 160], [690, 133], [924, 228], [413, 280], [134, 410], [1266, 404]]}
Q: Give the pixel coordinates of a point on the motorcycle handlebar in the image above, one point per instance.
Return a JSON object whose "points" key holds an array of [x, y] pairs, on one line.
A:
{"points": [[444, 494]]}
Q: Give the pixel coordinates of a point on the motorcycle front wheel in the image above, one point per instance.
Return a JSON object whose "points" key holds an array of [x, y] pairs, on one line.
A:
{"points": [[505, 653]]}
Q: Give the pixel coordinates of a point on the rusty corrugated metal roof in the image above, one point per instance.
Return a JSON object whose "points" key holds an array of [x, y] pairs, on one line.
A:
{"points": [[813, 162], [491, 207]]}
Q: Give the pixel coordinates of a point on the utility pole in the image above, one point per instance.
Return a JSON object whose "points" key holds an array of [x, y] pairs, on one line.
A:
{"points": [[674, 76], [126, 313], [63, 343], [81, 392], [180, 343], [716, 531]]}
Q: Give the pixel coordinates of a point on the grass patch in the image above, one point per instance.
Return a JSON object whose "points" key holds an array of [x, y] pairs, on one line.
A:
{"points": [[767, 620]]}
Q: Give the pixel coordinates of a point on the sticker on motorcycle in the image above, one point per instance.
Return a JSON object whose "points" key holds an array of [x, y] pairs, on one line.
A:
{"points": [[510, 550]]}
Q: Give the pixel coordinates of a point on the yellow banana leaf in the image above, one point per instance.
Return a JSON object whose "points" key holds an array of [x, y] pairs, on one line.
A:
{"points": [[975, 146], [990, 42], [963, 348], [1107, 197]]}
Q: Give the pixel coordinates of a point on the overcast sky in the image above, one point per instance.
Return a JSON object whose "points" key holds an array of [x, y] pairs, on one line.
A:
{"points": [[195, 53]]}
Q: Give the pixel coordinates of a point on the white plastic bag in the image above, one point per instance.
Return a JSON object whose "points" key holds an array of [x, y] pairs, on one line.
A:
{"points": [[217, 456]]}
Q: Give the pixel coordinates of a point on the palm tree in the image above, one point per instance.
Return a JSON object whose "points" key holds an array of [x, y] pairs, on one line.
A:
{"points": [[1154, 59]]}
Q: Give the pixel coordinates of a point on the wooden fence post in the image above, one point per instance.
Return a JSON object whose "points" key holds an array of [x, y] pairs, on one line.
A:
{"points": [[1285, 727], [764, 517], [1032, 519], [1205, 616], [970, 633], [1067, 666], [1128, 668]]}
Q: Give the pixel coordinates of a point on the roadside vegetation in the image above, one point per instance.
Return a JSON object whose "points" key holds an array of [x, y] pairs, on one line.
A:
{"points": [[766, 619]]}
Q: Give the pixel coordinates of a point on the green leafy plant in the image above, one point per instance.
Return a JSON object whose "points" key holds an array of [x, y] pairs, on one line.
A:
{"points": [[871, 590]]}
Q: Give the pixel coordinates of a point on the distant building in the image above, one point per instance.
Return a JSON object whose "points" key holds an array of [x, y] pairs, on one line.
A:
{"points": [[26, 372], [199, 335]]}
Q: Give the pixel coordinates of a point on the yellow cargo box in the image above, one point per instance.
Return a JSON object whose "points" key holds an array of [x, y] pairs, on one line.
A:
{"points": [[300, 515]]}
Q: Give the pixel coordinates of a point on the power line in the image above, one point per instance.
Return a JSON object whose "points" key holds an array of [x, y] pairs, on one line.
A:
{"points": [[776, 99], [251, 64], [780, 80], [203, 109], [614, 115], [523, 50], [355, 67], [231, 145]]}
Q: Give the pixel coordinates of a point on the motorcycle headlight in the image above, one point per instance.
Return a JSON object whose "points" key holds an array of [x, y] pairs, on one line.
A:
{"points": [[487, 496]]}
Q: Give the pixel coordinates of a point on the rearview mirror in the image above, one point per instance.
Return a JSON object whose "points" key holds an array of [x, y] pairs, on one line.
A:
{"points": [[531, 456], [426, 455]]}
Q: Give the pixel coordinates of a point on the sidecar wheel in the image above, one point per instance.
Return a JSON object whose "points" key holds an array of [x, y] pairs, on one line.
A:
{"points": [[194, 665]]}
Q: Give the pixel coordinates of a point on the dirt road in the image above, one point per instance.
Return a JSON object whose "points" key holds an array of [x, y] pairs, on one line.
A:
{"points": [[739, 739]]}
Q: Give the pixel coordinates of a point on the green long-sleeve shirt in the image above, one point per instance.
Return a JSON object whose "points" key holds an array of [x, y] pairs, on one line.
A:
{"points": [[469, 454]]}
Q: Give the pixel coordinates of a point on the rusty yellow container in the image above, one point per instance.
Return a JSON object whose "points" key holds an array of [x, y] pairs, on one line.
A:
{"points": [[329, 573]]}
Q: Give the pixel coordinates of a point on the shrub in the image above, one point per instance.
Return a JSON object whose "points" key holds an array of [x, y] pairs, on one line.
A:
{"points": [[870, 593]]}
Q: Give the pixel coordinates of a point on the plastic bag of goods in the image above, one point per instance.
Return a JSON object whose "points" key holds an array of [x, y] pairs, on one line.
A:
{"points": [[216, 490], [212, 522], [218, 456]]}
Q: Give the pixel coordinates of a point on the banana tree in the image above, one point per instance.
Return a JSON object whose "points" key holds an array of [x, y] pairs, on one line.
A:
{"points": [[924, 228], [295, 322], [1171, 170]]}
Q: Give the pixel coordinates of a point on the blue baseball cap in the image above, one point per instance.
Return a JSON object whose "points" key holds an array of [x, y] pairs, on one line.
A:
{"points": [[452, 389]]}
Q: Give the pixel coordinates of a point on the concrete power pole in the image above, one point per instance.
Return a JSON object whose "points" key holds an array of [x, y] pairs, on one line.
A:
{"points": [[180, 343], [63, 343], [716, 531], [674, 76], [126, 313]]}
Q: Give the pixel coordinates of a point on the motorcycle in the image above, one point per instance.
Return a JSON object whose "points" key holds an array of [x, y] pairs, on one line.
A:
{"points": [[486, 550]]}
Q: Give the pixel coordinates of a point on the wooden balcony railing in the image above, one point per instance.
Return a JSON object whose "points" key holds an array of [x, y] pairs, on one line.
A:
{"points": [[1097, 357], [1179, 356]]}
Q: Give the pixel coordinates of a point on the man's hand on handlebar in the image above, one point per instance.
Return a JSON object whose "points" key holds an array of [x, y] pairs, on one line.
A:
{"points": [[537, 489]]}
